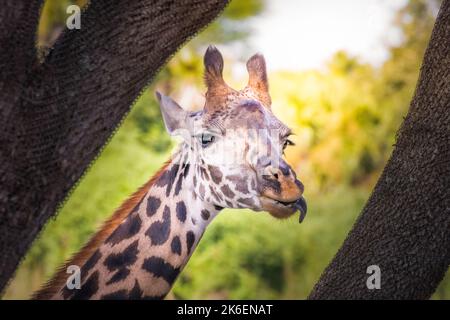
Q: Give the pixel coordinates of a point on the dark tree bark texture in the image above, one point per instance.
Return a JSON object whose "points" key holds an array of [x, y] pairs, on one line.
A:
{"points": [[405, 225], [56, 116]]}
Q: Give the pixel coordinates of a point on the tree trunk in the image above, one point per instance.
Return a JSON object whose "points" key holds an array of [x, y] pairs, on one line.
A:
{"points": [[405, 226], [56, 116]]}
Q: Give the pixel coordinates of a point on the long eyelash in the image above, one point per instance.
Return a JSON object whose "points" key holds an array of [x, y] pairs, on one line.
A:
{"points": [[290, 142]]}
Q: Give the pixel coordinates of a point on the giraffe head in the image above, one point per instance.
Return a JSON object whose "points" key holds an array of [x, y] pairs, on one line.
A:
{"points": [[236, 144]]}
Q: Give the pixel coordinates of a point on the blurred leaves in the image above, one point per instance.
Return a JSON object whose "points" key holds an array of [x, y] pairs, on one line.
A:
{"points": [[346, 116]]}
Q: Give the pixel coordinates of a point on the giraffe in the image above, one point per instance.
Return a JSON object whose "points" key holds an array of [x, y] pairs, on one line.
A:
{"points": [[231, 156]]}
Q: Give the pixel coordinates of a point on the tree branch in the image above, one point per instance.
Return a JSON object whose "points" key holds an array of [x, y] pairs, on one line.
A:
{"points": [[19, 20], [405, 225]]}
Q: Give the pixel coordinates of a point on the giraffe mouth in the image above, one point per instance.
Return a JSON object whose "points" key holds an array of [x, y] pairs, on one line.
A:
{"points": [[284, 209], [285, 203]]}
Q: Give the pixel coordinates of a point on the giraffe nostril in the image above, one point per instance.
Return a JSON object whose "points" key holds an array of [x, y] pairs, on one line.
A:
{"points": [[270, 173]]}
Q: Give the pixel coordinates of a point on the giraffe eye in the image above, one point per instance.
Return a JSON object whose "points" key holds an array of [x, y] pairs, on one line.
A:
{"points": [[206, 139], [288, 142]]}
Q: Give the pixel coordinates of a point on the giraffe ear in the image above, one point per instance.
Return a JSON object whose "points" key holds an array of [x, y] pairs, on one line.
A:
{"points": [[258, 81], [213, 62], [217, 89], [174, 116]]}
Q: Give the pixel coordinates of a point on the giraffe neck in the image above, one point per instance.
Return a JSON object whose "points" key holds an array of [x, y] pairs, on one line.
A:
{"points": [[143, 256]]}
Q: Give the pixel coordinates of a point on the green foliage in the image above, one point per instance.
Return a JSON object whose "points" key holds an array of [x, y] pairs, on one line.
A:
{"points": [[335, 117], [146, 117]]}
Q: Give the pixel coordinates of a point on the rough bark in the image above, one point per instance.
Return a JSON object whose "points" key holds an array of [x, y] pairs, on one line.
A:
{"points": [[56, 116], [405, 226]]}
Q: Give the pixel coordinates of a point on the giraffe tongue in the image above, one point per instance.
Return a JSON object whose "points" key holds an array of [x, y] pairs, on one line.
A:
{"points": [[301, 206]]}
